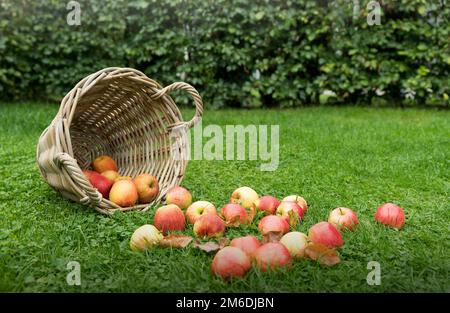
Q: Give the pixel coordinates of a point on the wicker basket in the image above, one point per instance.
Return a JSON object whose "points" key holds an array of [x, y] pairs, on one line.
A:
{"points": [[122, 113]]}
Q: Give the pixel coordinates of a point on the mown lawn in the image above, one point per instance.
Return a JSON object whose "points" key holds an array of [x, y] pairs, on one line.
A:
{"points": [[355, 157]]}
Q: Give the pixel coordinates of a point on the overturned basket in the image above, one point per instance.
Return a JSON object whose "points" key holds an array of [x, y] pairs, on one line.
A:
{"points": [[122, 113]]}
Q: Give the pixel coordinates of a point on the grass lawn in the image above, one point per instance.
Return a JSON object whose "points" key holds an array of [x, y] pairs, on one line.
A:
{"points": [[355, 157]]}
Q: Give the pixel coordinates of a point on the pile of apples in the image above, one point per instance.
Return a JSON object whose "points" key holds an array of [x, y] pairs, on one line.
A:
{"points": [[121, 190], [279, 245]]}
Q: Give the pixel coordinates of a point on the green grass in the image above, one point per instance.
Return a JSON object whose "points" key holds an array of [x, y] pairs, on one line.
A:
{"points": [[355, 157]]}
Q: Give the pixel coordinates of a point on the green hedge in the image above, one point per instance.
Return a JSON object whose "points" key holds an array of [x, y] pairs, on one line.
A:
{"points": [[236, 53]]}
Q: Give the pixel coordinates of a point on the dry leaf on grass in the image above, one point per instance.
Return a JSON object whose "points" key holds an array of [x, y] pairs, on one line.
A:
{"points": [[224, 241], [234, 222], [251, 213], [272, 236], [322, 254], [293, 219], [207, 246], [211, 245], [175, 241]]}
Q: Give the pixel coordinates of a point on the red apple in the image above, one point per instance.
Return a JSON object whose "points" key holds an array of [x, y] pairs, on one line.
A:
{"points": [[104, 163], [391, 215], [234, 214], [267, 204], [179, 196], [147, 187], [295, 242], [343, 218], [272, 255], [286, 207], [169, 218], [299, 200], [230, 262], [98, 181], [199, 208], [123, 193], [209, 225], [244, 196], [111, 175], [248, 244], [326, 234], [273, 223]]}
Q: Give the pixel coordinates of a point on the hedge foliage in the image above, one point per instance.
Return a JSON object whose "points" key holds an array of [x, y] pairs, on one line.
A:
{"points": [[235, 52]]}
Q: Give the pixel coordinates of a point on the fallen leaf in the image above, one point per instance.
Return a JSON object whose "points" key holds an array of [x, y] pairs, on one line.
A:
{"points": [[322, 254], [211, 245], [223, 242], [293, 218], [314, 250], [251, 214], [206, 246], [272, 236], [234, 222], [175, 241]]}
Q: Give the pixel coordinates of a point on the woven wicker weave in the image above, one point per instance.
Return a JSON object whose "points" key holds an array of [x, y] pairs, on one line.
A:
{"points": [[122, 113]]}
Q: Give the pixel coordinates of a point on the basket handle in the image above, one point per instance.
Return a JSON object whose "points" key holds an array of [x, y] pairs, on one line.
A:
{"points": [[190, 90], [70, 165]]}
